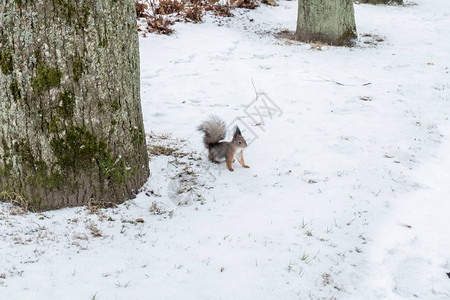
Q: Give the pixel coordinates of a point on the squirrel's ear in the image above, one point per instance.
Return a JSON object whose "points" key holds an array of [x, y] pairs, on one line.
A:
{"points": [[237, 131]]}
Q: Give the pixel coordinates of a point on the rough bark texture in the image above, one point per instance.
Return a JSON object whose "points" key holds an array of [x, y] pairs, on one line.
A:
{"points": [[326, 21], [71, 128]]}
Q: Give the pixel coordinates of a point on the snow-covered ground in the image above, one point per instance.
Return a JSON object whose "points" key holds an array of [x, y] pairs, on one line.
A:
{"points": [[348, 191]]}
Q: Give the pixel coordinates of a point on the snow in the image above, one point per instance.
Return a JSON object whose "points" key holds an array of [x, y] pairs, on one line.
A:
{"points": [[344, 198]]}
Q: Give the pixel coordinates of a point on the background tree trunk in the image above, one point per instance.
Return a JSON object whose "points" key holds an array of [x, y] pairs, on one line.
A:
{"points": [[326, 21], [71, 128]]}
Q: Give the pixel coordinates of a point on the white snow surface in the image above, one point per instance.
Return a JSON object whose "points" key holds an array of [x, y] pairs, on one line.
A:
{"points": [[344, 198]]}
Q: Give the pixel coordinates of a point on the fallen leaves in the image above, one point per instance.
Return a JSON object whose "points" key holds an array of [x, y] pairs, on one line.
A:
{"points": [[365, 98], [406, 225]]}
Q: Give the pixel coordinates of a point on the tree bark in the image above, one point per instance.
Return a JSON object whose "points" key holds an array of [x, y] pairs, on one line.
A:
{"points": [[326, 21], [71, 128]]}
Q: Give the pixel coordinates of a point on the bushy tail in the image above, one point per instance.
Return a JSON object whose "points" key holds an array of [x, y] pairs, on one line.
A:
{"points": [[214, 130]]}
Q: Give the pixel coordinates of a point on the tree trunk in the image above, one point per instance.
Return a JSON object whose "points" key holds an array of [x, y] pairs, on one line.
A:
{"points": [[71, 128], [326, 21]]}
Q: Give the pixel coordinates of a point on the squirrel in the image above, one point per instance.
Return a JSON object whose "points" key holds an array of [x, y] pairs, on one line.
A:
{"points": [[214, 131]]}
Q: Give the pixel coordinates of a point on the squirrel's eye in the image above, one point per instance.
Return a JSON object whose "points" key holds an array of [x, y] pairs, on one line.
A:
{"points": [[240, 143]]}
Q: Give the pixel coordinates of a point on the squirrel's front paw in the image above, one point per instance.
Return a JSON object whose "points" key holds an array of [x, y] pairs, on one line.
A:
{"points": [[231, 169], [246, 166]]}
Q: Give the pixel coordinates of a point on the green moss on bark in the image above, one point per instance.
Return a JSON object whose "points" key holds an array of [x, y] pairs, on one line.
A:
{"points": [[67, 9], [46, 78], [18, 3], [82, 20], [77, 67], [6, 62], [7, 164], [103, 43], [348, 37], [83, 151], [53, 126], [15, 91], [44, 177], [38, 173], [71, 12], [23, 149], [115, 106], [138, 136], [66, 104]]}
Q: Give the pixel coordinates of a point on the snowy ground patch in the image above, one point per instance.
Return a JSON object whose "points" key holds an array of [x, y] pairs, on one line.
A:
{"points": [[347, 192]]}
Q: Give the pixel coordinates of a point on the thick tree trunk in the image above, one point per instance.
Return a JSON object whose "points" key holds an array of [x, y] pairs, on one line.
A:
{"points": [[71, 128], [326, 21]]}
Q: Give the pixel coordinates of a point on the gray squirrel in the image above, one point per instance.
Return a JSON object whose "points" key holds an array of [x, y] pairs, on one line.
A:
{"points": [[214, 131]]}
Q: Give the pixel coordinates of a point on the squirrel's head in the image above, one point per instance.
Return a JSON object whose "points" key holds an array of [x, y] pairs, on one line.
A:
{"points": [[238, 140]]}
